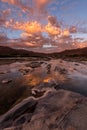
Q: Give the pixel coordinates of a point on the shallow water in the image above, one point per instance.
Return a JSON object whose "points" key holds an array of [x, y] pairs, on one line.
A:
{"points": [[55, 73]]}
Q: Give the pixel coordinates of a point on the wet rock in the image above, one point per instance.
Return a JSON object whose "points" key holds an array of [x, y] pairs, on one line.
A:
{"points": [[49, 84], [35, 64], [76, 64], [58, 110], [16, 114], [6, 81], [20, 121], [23, 119], [78, 117], [51, 111], [60, 70], [75, 69], [3, 72], [71, 128], [48, 68], [25, 71], [37, 93]]}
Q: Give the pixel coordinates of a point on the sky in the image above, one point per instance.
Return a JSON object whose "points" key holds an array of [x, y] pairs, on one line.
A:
{"points": [[43, 25]]}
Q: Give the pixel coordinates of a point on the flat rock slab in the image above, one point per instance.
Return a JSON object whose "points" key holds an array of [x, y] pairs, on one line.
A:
{"points": [[58, 110]]}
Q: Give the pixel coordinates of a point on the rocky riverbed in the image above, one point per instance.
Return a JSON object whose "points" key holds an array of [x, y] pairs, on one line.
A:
{"points": [[43, 95]]}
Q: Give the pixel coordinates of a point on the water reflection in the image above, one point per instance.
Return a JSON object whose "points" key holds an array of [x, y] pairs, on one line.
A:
{"points": [[60, 72], [40, 76]]}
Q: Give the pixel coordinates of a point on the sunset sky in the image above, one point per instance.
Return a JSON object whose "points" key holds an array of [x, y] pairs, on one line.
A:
{"points": [[50, 25]]}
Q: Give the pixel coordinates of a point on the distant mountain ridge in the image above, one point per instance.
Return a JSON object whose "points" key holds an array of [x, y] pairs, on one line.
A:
{"points": [[10, 52]]}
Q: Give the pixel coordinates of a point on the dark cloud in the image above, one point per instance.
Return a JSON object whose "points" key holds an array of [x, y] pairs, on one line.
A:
{"points": [[73, 29], [53, 21]]}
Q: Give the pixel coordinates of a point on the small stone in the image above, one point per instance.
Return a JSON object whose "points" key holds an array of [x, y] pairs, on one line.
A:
{"points": [[35, 64], [6, 81], [71, 128]]}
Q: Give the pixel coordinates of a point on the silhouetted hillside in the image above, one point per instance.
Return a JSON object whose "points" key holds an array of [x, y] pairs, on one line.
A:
{"points": [[75, 52], [9, 52]]}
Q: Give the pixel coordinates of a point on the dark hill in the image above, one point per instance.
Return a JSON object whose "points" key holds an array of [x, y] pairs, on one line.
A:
{"points": [[10, 52]]}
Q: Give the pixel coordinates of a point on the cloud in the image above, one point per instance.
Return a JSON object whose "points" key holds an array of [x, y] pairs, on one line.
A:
{"points": [[52, 30], [53, 21], [81, 44], [38, 5], [42, 3], [53, 27], [32, 35], [3, 16], [29, 27], [3, 37], [36, 39], [2, 21], [20, 4], [37, 42], [66, 33], [73, 29]]}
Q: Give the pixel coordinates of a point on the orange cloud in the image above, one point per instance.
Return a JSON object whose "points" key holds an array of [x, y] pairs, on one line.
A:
{"points": [[66, 32], [30, 44], [28, 27], [39, 4], [35, 27], [42, 3], [81, 44], [52, 30], [19, 4]]}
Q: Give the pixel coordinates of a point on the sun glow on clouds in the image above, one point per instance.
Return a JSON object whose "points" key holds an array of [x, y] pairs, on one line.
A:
{"points": [[40, 28], [66, 33], [42, 3], [52, 30], [28, 27], [36, 28]]}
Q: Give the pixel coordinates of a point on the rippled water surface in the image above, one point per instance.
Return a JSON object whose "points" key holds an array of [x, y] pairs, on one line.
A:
{"points": [[66, 75]]}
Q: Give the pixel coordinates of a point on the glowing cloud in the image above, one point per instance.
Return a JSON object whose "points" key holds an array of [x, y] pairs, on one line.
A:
{"points": [[28, 27], [19, 4], [42, 3], [52, 30], [66, 32]]}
